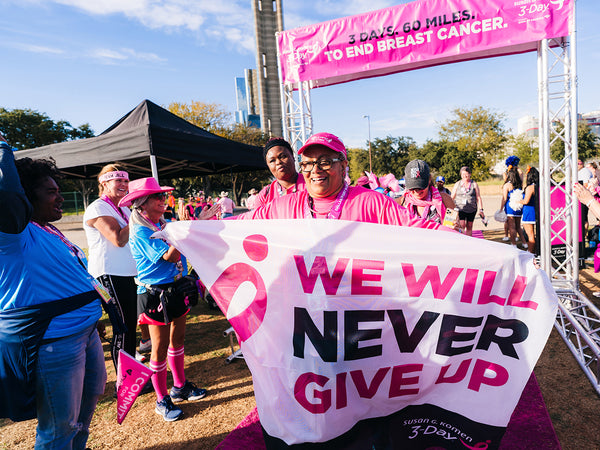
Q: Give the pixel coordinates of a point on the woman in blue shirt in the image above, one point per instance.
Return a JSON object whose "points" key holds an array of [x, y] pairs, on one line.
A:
{"points": [[165, 293], [51, 359]]}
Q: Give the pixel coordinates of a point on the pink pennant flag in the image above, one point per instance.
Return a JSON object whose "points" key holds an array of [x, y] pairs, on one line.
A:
{"points": [[132, 376]]}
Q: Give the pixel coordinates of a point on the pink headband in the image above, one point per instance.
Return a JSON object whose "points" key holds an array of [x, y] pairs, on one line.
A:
{"points": [[120, 174]]}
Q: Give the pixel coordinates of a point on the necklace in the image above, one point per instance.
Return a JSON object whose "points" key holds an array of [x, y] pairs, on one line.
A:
{"points": [[281, 191]]}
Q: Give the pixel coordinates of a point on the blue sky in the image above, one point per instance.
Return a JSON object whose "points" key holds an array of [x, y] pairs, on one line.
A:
{"points": [[94, 60]]}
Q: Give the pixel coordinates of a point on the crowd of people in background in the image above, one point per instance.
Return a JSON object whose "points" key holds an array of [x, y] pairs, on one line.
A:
{"points": [[144, 283]]}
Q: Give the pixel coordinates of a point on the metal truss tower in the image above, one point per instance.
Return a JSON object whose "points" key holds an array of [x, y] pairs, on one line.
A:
{"points": [[297, 113], [268, 19], [578, 319]]}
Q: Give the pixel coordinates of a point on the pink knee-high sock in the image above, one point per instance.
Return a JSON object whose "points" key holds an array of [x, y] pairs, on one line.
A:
{"points": [[159, 378], [175, 359]]}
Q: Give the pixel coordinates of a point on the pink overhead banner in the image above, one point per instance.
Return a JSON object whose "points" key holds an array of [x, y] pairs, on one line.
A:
{"points": [[418, 34]]}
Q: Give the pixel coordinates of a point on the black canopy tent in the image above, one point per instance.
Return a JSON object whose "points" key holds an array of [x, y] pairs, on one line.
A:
{"points": [[151, 141]]}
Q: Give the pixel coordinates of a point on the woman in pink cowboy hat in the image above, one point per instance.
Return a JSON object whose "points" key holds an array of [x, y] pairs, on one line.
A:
{"points": [[165, 293]]}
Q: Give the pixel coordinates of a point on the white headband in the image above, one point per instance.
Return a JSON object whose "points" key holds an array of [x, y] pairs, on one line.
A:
{"points": [[116, 174]]}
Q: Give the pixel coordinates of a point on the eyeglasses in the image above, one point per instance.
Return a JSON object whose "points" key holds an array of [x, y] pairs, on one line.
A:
{"points": [[323, 164], [160, 195]]}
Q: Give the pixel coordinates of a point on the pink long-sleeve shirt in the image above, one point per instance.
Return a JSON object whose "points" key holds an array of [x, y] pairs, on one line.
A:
{"points": [[274, 190], [363, 205]]}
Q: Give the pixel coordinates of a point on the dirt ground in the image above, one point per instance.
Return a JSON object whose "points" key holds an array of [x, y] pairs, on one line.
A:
{"points": [[571, 401]]}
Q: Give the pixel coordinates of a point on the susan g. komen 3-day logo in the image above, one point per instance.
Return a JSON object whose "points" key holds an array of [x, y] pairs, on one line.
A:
{"points": [[236, 279]]}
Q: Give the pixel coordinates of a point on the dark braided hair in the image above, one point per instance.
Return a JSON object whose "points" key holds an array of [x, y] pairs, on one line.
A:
{"points": [[33, 172], [277, 142]]}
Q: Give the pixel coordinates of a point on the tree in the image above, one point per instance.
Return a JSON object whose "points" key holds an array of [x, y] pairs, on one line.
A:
{"points": [[587, 143], [525, 147], [216, 119], [445, 159], [479, 134], [25, 128], [209, 116], [388, 155]]}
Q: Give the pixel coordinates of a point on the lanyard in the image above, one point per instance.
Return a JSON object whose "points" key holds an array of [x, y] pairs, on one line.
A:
{"points": [[336, 209], [118, 210], [75, 251], [78, 253], [178, 264]]}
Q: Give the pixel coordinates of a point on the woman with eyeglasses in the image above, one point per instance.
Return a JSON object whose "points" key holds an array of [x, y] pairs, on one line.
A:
{"points": [[328, 196], [165, 293], [422, 198], [279, 157]]}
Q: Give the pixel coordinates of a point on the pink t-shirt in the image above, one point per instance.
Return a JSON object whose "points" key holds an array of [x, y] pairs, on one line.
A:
{"points": [[251, 201], [227, 205], [362, 205], [274, 190]]}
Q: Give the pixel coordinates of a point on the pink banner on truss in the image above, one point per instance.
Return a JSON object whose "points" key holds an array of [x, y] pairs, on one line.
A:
{"points": [[558, 215], [416, 35]]}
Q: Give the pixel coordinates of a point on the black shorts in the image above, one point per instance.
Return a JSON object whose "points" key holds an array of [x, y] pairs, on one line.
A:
{"points": [[469, 217], [149, 304]]}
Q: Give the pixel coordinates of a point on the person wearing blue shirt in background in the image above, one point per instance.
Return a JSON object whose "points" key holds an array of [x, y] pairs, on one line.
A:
{"points": [[165, 293], [51, 359]]}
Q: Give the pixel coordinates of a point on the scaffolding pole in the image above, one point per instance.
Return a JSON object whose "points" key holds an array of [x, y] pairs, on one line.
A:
{"points": [[578, 319]]}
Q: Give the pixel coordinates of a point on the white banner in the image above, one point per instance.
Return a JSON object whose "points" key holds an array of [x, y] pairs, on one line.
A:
{"points": [[343, 321]]}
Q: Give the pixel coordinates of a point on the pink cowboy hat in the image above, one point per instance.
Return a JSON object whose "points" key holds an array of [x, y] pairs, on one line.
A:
{"points": [[140, 188]]}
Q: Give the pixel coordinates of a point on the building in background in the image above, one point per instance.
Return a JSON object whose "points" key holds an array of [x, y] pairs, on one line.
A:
{"points": [[268, 19], [593, 120], [528, 126], [246, 90]]}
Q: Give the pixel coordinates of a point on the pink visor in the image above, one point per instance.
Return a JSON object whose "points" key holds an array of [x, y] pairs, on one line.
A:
{"points": [[326, 139], [115, 174]]}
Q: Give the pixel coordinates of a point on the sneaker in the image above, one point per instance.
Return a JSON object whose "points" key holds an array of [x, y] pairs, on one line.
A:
{"points": [[168, 410], [505, 238], [145, 346], [139, 356], [189, 391]]}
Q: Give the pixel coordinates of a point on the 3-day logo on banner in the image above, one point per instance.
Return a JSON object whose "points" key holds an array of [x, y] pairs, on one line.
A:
{"points": [[132, 376], [415, 35], [341, 322]]}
